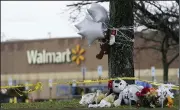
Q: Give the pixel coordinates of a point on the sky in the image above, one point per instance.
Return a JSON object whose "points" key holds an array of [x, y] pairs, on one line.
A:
{"points": [[36, 19]]}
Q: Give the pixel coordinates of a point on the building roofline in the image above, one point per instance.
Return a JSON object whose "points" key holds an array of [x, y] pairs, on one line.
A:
{"points": [[33, 40]]}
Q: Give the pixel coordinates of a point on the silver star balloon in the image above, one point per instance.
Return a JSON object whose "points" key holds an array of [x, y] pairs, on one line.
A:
{"points": [[84, 22], [92, 31], [98, 13]]}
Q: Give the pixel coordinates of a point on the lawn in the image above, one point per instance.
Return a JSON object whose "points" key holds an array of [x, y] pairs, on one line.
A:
{"points": [[70, 104]]}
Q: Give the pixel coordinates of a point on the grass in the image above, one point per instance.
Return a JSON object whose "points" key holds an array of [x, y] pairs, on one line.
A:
{"points": [[69, 105], [44, 105]]}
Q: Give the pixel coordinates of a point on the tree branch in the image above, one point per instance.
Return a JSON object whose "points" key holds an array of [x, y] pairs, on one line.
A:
{"points": [[149, 39], [154, 47], [146, 12], [81, 4], [160, 24], [160, 9], [173, 59], [85, 3]]}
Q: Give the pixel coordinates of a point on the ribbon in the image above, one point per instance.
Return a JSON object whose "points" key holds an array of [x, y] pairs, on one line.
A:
{"points": [[38, 85]]}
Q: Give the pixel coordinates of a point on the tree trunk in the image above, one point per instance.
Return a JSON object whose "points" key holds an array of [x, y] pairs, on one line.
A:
{"points": [[165, 68], [120, 57], [164, 58], [165, 77]]}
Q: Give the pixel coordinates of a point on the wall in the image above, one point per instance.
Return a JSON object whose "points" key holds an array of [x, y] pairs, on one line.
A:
{"points": [[14, 63], [14, 58]]}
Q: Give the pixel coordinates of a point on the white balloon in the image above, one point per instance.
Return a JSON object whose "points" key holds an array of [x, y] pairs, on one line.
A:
{"points": [[84, 22], [98, 13], [92, 32], [105, 27]]}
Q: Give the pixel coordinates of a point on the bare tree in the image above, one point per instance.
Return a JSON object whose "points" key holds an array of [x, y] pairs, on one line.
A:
{"points": [[164, 20]]}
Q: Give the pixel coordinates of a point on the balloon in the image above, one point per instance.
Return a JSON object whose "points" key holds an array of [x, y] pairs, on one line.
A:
{"points": [[92, 32], [98, 13], [84, 22], [105, 27]]}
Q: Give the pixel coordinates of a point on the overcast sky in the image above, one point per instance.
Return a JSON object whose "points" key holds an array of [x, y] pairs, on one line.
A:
{"points": [[35, 19]]}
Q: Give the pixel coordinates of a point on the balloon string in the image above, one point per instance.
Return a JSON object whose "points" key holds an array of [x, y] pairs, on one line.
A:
{"points": [[122, 35], [117, 43], [129, 28]]}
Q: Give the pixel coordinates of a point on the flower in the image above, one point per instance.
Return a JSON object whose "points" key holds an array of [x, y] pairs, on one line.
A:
{"points": [[110, 82], [170, 102], [146, 97], [77, 54], [153, 92], [139, 94], [152, 89], [145, 90]]}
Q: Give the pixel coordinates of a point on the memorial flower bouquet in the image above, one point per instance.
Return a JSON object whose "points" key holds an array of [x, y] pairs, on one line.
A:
{"points": [[147, 97]]}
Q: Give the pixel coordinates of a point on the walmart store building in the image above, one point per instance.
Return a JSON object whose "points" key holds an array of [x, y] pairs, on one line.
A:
{"points": [[61, 59]]}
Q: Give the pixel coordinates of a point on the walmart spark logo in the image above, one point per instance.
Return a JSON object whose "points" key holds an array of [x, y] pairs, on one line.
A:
{"points": [[77, 54]]}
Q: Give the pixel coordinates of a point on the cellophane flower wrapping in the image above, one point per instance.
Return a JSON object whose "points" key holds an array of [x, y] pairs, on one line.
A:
{"points": [[147, 98]]}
